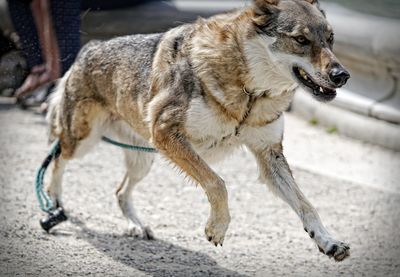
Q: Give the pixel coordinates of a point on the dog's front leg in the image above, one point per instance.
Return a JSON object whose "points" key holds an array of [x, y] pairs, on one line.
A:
{"points": [[168, 137], [275, 171]]}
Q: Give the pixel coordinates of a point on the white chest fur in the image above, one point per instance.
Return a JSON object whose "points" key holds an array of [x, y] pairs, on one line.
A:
{"points": [[214, 137], [209, 133]]}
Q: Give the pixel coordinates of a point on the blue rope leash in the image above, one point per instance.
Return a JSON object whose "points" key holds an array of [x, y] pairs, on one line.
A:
{"points": [[130, 147], [45, 202]]}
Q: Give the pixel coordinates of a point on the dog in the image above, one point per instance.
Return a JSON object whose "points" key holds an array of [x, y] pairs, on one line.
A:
{"points": [[196, 93]]}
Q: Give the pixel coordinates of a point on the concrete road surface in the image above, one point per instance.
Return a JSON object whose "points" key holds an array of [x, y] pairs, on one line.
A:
{"points": [[354, 186]]}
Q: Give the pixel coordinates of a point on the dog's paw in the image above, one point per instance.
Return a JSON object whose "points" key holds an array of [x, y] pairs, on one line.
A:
{"points": [[216, 229], [141, 232], [335, 249]]}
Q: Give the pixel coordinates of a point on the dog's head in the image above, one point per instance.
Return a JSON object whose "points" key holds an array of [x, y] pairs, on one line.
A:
{"points": [[299, 40]]}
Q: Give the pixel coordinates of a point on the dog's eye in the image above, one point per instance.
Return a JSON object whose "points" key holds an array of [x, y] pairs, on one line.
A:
{"points": [[331, 39], [302, 40]]}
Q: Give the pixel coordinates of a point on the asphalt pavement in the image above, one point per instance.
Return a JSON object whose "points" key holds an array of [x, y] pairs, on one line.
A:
{"points": [[354, 186]]}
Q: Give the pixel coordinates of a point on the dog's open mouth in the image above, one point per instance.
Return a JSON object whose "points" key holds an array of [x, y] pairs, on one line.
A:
{"points": [[322, 93]]}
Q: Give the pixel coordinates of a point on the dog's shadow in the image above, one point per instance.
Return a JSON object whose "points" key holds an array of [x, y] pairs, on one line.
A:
{"points": [[154, 257]]}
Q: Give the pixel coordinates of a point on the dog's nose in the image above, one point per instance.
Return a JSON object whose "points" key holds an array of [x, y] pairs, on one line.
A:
{"points": [[339, 76]]}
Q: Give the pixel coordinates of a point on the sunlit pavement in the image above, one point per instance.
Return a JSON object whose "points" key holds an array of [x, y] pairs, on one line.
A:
{"points": [[353, 185]]}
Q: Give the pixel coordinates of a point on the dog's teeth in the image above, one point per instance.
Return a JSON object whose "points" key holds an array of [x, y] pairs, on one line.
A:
{"points": [[303, 74], [321, 90]]}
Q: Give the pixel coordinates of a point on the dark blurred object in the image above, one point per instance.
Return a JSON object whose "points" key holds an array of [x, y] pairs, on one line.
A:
{"points": [[24, 25], [49, 32], [54, 218], [110, 5], [6, 44], [13, 69]]}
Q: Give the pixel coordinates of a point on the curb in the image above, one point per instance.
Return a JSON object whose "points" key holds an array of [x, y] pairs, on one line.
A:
{"points": [[346, 122], [373, 59]]}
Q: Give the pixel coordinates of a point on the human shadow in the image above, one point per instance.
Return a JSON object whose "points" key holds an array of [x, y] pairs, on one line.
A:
{"points": [[157, 258]]}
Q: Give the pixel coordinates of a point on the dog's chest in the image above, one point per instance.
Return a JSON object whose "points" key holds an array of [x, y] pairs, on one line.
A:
{"points": [[211, 134], [214, 136]]}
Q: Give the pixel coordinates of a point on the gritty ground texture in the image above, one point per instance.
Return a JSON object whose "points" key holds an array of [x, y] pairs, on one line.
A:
{"points": [[265, 237]]}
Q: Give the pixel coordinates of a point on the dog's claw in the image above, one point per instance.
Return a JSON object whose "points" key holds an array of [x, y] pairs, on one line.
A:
{"points": [[338, 251], [215, 229], [140, 232]]}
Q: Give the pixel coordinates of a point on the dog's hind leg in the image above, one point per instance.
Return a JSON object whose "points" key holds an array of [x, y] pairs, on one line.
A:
{"points": [[275, 171], [137, 168], [79, 135], [138, 165], [53, 187]]}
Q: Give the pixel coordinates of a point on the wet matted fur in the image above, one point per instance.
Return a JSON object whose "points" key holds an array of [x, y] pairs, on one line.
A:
{"points": [[198, 92]]}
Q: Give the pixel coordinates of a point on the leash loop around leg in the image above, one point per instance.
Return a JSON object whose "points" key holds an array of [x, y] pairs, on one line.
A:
{"points": [[45, 202], [56, 215]]}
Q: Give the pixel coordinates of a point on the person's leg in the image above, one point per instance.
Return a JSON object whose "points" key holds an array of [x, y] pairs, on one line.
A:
{"points": [[67, 22], [47, 37], [50, 71], [24, 24]]}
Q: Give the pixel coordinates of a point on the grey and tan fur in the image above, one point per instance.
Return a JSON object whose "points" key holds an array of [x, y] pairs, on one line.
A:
{"points": [[198, 92]]}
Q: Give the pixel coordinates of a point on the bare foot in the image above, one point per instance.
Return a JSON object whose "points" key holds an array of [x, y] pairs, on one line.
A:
{"points": [[47, 76], [28, 86], [37, 69], [39, 76]]}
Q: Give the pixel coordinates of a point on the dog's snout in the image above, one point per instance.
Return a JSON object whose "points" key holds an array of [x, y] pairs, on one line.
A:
{"points": [[339, 76]]}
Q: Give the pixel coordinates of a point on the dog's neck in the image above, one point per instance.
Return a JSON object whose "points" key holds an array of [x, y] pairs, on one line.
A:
{"points": [[228, 56], [237, 54], [264, 76]]}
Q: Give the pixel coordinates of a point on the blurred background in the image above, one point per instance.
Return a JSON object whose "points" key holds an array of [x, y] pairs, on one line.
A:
{"points": [[345, 155]]}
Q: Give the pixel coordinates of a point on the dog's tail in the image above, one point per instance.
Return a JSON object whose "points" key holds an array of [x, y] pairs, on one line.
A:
{"points": [[54, 111]]}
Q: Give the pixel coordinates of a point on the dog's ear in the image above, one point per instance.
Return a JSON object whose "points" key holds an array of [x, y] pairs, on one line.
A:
{"points": [[316, 3], [265, 13], [265, 6]]}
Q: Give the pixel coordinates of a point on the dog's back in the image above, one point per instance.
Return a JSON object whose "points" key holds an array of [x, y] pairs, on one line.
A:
{"points": [[102, 70]]}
